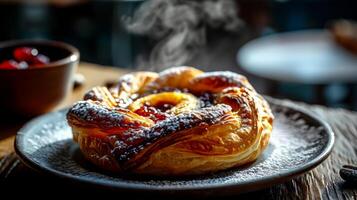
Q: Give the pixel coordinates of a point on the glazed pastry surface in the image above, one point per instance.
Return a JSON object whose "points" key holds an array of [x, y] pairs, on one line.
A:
{"points": [[181, 121]]}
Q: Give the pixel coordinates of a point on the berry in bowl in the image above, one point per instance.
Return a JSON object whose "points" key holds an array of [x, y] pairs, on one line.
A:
{"points": [[24, 58], [35, 75]]}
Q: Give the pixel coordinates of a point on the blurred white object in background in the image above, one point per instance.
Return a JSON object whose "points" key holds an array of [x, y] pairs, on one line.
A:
{"points": [[308, 57]]}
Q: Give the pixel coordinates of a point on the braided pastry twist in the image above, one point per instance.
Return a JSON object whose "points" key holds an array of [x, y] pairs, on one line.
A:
{"points": [[181, 121]]}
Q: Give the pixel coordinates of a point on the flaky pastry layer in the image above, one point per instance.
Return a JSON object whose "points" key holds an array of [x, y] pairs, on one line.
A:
{"points": [[181, 121]]}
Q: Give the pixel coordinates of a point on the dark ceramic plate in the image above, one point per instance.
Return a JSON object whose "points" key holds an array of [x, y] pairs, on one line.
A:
{"points": [[299, 142]]}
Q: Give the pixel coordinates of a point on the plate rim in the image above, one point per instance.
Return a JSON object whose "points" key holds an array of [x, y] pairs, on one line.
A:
{"points": [[260, 183]]}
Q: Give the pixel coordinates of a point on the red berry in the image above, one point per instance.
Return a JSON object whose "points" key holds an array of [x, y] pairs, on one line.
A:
{"points": [[25, 53], [9, 64], [40, 59]]}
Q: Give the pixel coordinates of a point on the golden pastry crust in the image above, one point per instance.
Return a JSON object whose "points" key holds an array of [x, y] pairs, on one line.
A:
{"points": [[181, 121]]}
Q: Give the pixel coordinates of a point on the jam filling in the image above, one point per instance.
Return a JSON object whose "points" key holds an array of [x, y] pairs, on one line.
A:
{"points": [[158, 112], [164, 106]]}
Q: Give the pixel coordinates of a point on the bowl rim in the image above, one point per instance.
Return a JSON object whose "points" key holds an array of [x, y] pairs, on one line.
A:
{"points": [[73, 57]]}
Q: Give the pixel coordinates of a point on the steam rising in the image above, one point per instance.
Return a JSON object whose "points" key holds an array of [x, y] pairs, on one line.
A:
{"points": [[180, 27]]}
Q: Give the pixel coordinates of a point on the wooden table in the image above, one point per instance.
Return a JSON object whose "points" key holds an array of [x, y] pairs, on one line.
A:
{"points": [[321, 183]]}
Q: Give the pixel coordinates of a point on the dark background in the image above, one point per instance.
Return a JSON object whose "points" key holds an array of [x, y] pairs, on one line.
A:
{"points": [[96, 29]]}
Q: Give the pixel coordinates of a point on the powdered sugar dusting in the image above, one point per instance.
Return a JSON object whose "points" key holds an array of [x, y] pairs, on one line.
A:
{"points": [[227, 76], [92, 114], [174, 71], [140, 138], [296, 140], [222, 79]]}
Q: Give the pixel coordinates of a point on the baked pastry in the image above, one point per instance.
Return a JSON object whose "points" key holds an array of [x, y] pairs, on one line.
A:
{"points": [[181, 121]]}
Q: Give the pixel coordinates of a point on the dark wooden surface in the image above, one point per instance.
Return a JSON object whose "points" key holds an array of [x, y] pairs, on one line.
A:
{"points": [[323, 182]]}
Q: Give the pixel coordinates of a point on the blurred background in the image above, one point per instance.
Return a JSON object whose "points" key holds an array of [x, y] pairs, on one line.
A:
{"points": [[298, 49]]}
